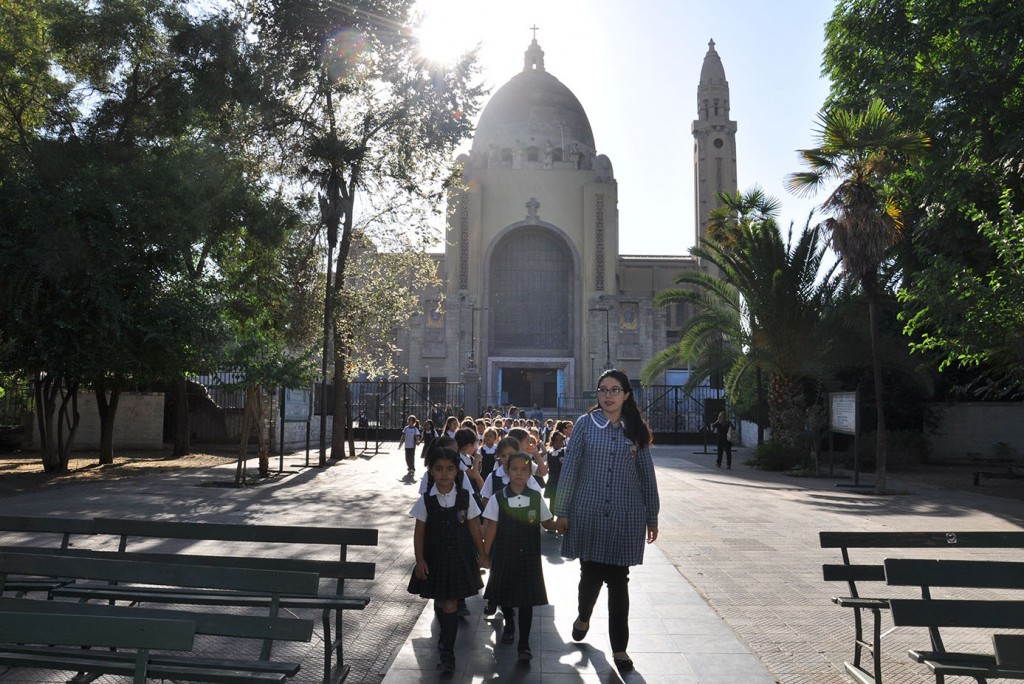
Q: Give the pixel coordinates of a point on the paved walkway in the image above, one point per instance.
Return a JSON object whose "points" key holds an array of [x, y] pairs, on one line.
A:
{"points": [[731, 592]]}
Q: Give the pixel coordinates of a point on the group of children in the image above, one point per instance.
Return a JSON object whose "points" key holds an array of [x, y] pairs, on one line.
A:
{"points": [[481, 506]]}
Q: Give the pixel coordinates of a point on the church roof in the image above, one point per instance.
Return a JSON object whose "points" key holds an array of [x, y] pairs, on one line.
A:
{"points": [[533, 107]]}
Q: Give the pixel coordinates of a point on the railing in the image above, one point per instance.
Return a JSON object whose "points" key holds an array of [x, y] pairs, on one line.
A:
{"points": [[667, 408]]}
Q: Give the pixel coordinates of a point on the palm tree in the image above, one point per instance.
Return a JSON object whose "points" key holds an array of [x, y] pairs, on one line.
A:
{"points": [[861, 151], [760, 308]]}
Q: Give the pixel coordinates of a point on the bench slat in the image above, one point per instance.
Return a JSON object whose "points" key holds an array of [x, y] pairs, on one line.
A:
{"points": [[160, 573], [162, 660], [954, 573], [953, 613], [910, 540], [327, 569], [285, 534], [854, 573], [217, 624], [207, 598], [80, 662], [92, 630]]}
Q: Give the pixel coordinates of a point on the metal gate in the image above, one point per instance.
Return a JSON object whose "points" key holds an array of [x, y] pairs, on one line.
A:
{"points": [[669, 410], [389, 403]]}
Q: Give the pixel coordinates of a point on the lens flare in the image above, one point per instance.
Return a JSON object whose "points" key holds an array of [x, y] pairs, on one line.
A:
{"points": [[342, 53]]}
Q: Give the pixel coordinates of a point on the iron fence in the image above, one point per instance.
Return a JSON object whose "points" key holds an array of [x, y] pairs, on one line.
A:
{"points": [[388, 403], [667, 408], [15, 400]]}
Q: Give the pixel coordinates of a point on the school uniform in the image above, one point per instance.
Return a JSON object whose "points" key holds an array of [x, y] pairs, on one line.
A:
{"points": [[488, 459], [555, 459], [448, 545], [517, 577], [499, 479]]}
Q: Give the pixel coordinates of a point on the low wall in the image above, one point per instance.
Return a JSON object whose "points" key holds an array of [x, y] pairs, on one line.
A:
{"points": [[968, 430], [138, 424]]}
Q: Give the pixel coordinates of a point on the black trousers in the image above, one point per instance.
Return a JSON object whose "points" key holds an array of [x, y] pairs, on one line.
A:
{"points": [[616, 577]]}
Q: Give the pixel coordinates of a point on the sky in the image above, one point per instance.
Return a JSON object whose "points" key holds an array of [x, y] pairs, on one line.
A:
{"points": [[635, 68]]}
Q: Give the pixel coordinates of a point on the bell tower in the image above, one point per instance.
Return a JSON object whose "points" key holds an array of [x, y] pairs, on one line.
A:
{"points": [[714, 140]]}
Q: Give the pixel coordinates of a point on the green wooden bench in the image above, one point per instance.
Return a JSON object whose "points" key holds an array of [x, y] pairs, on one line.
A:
{"points": [[936, 614], [856, 574], [71, 630], [169, 542], [282, 538], [177, 583], [218, 624]]}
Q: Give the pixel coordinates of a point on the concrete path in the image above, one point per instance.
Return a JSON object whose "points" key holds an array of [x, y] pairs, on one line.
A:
{"points": [[731, 592]]}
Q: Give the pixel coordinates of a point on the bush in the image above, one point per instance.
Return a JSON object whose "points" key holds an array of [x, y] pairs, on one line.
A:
{"points": [[773, 455], [905, 449]]}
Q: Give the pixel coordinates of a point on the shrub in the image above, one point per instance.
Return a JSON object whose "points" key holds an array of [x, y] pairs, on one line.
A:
{"points": [[773, 455]]}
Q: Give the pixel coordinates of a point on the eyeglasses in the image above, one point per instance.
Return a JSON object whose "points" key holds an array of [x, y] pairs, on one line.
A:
{"points": [[614, 391]]}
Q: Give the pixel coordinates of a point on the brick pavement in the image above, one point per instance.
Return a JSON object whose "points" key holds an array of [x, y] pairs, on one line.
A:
{"points": [[745, 540]]}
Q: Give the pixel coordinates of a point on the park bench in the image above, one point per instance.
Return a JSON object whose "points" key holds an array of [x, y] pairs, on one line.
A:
{"points": [[60, 630], [1002, 468], [177, 584], [976, 613], [191, 585], [193, 667], [855, 574], [171, 542]]}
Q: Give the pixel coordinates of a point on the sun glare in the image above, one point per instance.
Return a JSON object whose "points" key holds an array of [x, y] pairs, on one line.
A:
{"points": [[446, 29]]}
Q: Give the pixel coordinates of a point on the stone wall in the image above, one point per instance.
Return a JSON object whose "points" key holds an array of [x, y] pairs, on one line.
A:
{"points": [[968, 431]]}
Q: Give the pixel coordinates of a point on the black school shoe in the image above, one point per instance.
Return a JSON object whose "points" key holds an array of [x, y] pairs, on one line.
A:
{"points": [[447, 664], [525, 655], [463, 609], [490, 608], [508, 633]]}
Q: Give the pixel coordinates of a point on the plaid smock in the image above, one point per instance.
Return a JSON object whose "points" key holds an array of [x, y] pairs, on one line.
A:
{"points": [[608, 490]]}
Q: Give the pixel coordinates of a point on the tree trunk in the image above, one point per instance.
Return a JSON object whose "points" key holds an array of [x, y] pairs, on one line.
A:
{"points": [[762, 404], [46, 389], [67, 417], [243, 447], [262, 436], [182, 436], [108, 411], [339, 433], [787, 413], [876, 363]]}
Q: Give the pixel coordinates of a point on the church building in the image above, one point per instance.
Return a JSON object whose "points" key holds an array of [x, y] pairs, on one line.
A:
{"points": [[537, 300]]}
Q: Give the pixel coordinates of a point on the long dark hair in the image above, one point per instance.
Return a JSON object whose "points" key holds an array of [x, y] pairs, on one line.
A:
{"points": [[446, 453], [637, 429]]}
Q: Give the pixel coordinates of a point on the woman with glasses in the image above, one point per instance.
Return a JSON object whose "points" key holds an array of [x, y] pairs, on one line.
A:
{"points": [[607, 505]]}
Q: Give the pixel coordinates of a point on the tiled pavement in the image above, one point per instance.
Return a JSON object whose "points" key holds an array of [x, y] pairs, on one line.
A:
{"points": [[732, 590]]}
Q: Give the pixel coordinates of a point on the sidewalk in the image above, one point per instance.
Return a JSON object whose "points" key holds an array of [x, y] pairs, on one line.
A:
{"points": [[731, 592]]}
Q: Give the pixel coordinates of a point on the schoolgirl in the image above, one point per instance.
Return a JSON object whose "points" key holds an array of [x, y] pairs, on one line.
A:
{"points": [[499, 478], [512, 522], [488, 450], [446, 537], [451, 426], [430, 433], [469, 460], [556, 454], [410, 437]]}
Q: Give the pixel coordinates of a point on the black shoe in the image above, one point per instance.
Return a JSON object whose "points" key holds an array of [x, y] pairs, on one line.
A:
{"points": [[508, 633], [490, 608], [718, 464], [463, 609], [578, 631], [447, 664], [623, 664], [525, 655]]}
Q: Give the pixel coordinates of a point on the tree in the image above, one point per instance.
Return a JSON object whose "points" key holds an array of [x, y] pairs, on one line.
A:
{"points": [[859, 151], [979, 320], [955, 70], [762, 310], [126, 174], [363, 116]]}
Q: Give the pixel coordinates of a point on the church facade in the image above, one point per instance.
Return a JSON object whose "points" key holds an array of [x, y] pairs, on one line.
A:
{"points": [[537, 300]]}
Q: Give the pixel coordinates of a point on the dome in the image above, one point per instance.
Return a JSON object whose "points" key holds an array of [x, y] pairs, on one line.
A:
{"points": [[533, 107]]}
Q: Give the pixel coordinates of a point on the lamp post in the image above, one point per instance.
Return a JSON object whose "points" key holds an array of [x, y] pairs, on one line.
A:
{"points": [[607, 336]]}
